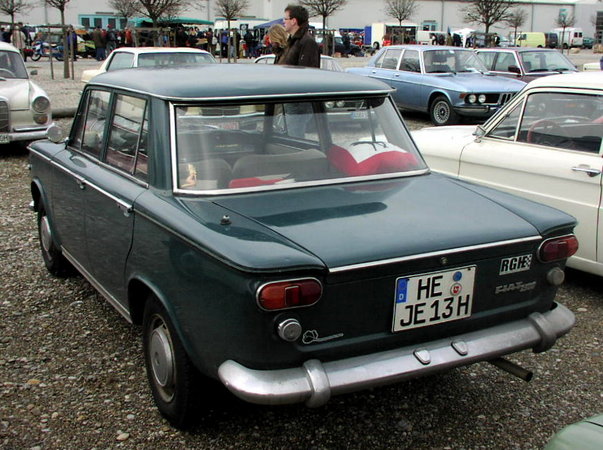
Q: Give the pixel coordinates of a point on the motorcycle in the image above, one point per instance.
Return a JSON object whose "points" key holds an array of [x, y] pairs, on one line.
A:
{"points": [[43, 49]]}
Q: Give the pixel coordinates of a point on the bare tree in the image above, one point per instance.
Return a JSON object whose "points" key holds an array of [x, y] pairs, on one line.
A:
{"points": [[230, 10], [488, 12], [323, 8], [516, 20], [400, 10], [154, 9], [61, 5], [564, 21], [125, 8], [13, 7]]}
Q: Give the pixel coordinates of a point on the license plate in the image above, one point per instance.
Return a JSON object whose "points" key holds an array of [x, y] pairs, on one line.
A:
{"points": [[359, 115], [4, 139], [433, 298]]}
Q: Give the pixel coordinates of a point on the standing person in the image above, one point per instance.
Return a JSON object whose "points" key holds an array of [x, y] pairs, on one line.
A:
{"points": [[278, 37], [111, 42], [17, 38], [99, 43], [128, 37], [303, 49]]}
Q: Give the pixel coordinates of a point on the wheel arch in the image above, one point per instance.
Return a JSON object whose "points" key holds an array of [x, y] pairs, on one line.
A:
{"points": [[434, 95]]}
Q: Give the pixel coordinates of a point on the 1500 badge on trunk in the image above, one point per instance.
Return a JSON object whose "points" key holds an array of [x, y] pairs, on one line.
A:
{"points": [[433, 298]]}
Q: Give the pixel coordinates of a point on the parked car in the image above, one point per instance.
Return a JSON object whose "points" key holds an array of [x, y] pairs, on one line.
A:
{"points": [[291, 262], [25, 112], [326, 62], [355, 50], [592, 66], [130, 57], [545, 145], [584, 435], [447, 82], [588, 42], [526, 64]]}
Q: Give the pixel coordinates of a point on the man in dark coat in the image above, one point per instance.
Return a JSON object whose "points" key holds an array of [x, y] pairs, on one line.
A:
{"points": [[302, 48]]}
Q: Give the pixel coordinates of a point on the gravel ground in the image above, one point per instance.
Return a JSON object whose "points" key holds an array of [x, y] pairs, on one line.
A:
{"points": [[72, 372]]}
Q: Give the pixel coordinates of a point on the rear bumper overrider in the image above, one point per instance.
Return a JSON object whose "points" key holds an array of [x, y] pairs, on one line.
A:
{"points": [[315, 382]]}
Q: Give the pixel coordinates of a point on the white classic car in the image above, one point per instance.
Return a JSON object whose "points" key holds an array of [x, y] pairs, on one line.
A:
{"points": [[130, 57], [544, 145], [25, 113]]}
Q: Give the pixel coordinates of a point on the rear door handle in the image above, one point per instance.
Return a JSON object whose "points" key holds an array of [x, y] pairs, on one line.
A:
{"points": [[588, 170]]}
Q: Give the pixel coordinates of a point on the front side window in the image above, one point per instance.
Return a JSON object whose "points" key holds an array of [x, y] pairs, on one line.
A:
{"points": [[507, 128], [125, 132], [563, 120], [504, 61], [97, 112], [281, 144], [121, 60], [535, 62]]}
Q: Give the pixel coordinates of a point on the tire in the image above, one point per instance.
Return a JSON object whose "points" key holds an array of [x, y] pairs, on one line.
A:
{"points": [[54, 260], [36, 56], [173, 379], [441, 112], [58, 57], [376, 45]]}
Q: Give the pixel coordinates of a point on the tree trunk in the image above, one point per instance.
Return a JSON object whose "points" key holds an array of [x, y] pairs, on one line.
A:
{"points": [[65, 47]]}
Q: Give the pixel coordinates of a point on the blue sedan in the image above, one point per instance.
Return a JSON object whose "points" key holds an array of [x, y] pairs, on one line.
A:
{"points": [[446, 82]]}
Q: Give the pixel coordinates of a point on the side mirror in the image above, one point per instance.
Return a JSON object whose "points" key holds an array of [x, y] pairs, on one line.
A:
{"points": [[55, 133], [514, 69], [33, 72]]}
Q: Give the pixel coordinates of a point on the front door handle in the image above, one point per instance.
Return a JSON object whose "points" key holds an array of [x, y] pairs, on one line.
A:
{"points": [[81, 183], [587, 170]]}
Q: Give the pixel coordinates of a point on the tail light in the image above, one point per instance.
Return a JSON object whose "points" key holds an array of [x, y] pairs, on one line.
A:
{"points": [[558, 248], [289, 294]]}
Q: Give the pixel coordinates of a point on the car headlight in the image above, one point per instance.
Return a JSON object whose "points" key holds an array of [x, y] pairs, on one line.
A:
{"points": [[340, 104], [329, 105], [40, 104], [481, 98], [471, 98]]}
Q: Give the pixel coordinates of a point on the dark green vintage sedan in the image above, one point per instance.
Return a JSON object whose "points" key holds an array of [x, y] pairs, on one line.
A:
{"points": [[289, 255]]}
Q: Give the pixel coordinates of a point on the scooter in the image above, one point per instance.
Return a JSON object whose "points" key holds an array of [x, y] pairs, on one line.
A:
{"points": [[43, 49]]}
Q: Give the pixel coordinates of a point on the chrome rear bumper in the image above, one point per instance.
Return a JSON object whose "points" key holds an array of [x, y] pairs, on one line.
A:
{"points": [[315, 382]]}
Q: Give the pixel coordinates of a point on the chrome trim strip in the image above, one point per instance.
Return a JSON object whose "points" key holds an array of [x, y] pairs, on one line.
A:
{"points": [[432, 254], [246, 97], [299, 184], [127, 206], [112, 300], [40, 154], [315, 381]]}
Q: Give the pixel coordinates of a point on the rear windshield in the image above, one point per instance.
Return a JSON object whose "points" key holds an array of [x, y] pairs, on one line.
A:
{"points": [[170, 59], [275, 145]]}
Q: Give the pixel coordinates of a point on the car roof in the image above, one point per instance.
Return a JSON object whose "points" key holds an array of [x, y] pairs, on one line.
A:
{"points": [[583, 80], [517, 50], [7, 47], [272, 56], [141, 50], [235, 81], [428, 47]]}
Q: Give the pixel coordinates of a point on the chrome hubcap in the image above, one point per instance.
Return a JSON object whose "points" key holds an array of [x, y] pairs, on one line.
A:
{"points": [[161, 354], [45, 235], [442, 112]]}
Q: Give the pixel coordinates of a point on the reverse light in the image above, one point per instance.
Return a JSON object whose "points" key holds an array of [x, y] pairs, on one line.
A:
{"points": [[40, 104], [558, 248], [289, 294]]}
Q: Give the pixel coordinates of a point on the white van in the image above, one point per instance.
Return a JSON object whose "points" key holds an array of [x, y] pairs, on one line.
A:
{"points": [[427, 37], [572, 37]]}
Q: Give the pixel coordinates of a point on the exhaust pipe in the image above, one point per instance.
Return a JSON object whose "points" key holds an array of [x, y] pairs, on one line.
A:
{"points": [[512, 368]]}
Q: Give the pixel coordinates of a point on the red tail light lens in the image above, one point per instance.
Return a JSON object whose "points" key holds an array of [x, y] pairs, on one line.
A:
{"points": [[289, 294], [558, 248]]}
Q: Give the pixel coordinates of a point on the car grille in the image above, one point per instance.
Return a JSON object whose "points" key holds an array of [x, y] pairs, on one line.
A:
{"points": [[504, 98], [4, 117]]}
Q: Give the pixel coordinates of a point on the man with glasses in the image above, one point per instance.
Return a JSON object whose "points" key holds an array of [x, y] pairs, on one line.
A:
{"points": [[302, 49]]}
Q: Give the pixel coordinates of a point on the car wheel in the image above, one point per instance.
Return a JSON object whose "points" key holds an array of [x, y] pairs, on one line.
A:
{"points": [[376, 45], [173, 379], [53, 258], [441, 112], [36, 56]]}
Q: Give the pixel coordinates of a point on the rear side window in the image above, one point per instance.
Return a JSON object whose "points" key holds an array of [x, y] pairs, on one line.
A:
{"points": [[125, 133]]}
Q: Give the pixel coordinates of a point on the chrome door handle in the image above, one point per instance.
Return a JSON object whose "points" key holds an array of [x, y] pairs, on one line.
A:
{"points": [[81, 183], [125, 208], [587, 170]]}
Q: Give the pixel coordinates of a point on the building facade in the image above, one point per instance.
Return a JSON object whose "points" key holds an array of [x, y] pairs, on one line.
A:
{"points": [[436, 14]]}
